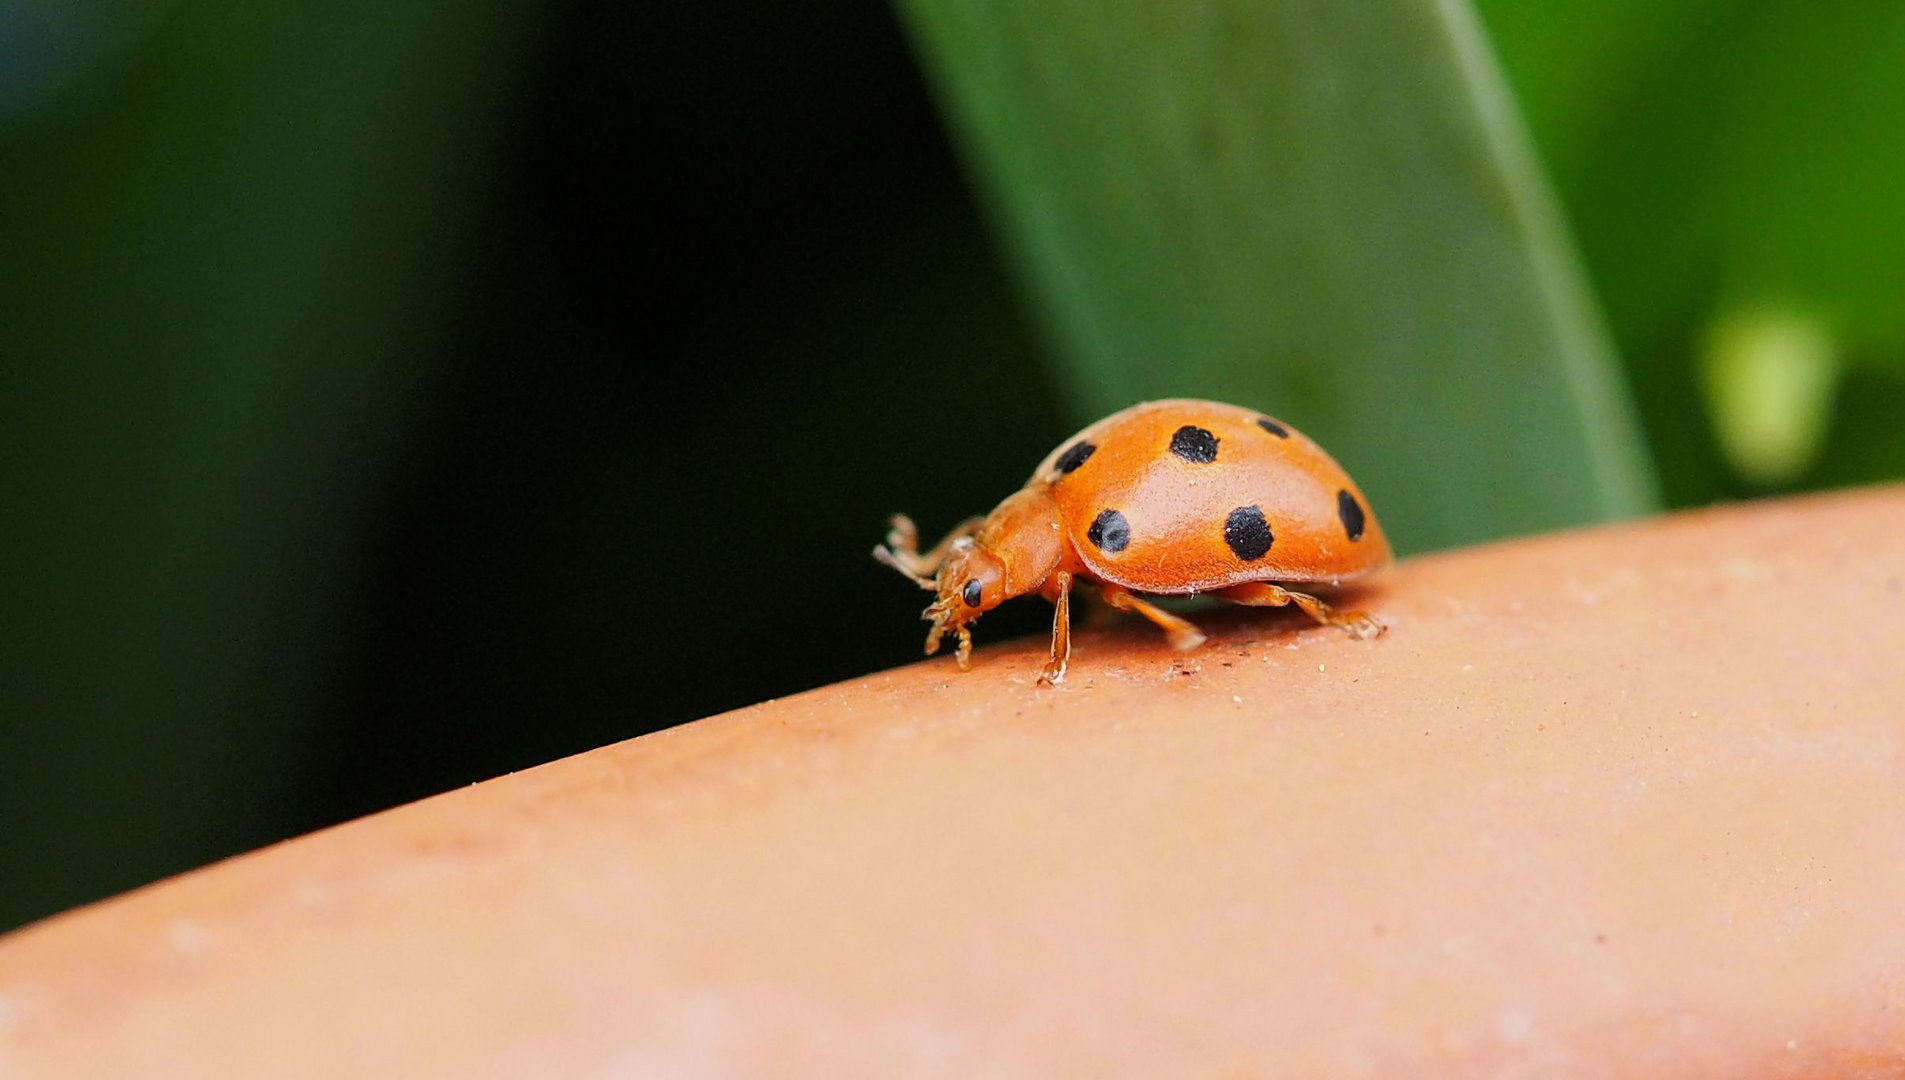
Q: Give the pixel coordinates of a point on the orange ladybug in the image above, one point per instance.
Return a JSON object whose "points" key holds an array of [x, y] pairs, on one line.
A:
{"points": [[1168, 497]]}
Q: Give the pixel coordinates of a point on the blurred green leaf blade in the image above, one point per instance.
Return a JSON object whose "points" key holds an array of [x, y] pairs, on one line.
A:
{"points": [[1326, 211]]}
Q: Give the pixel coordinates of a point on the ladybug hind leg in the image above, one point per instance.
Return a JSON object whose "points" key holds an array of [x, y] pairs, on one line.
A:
{"points": [[901, 550], [1263, 594], [1183, 634]]}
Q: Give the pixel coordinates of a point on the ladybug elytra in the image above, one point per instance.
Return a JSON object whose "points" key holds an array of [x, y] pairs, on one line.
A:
{"points": [[1168, 498]]}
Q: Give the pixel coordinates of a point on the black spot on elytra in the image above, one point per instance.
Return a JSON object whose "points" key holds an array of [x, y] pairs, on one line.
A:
{"points": [[1109, 531], [1273, 427], [1351, 512], [1194, 444], [1247, 533], [1074, 456]]}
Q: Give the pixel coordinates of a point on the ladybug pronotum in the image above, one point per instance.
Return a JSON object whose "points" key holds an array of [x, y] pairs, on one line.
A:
{"points": [[1169, 498]]}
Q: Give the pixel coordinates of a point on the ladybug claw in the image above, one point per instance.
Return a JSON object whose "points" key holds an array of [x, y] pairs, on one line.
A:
{"points": [[1186, 640], [1360, 625], [902, 534]]}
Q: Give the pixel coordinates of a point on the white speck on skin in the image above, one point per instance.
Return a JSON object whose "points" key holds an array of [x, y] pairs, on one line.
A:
{"points": [[1591, 593], [1515, 1023], [1322, 667], [186, 936], [1236, 699], [1746, 570]]}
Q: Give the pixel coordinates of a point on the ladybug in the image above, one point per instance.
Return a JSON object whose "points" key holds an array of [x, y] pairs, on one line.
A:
{"points": [[1173, 497]]}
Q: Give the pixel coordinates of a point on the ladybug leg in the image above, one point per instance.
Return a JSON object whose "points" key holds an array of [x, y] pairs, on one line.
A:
{"points": [[937, 554], [901, 550], [1264, 594], [1182, 633], [1060, 594]]}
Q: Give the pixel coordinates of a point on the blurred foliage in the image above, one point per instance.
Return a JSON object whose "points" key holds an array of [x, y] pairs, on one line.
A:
{"points": [[1326, 211], [224, 257], [391, 399], [1769, 377], [1718, 159]]}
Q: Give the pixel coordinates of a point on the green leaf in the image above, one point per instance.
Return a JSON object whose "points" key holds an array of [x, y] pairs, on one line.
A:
{"points": [[1327, 211]]}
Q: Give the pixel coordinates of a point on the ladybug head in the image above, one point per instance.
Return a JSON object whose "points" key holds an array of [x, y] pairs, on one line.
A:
{"points": [[970, 583], [985, 562]]}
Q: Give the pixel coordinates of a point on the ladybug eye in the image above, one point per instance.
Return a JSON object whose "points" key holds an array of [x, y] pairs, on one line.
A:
{"points": [[973, 591]]}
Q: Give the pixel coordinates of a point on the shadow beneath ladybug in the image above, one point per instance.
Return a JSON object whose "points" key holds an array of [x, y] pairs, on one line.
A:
{"points": [[1025, 626], [1220, 618]]}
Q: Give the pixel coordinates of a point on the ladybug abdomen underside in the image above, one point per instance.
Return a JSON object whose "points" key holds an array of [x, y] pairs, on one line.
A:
{"points": [[1193, 496]]}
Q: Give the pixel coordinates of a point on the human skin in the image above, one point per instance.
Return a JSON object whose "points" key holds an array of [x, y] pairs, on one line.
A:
{"points": [[1619, 802]]}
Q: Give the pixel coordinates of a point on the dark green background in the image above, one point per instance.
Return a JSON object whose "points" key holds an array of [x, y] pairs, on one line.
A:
{"points": [[392, 400]]}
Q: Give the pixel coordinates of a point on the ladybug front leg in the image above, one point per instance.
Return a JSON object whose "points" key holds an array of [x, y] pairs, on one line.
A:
{"points": [[1059, 592], [901, 551], [1264, 594], [1182, 633]]}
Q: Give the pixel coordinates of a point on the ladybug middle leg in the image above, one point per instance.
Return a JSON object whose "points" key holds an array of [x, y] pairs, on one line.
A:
{"points": [[1264, 594], [1182, 633]]}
